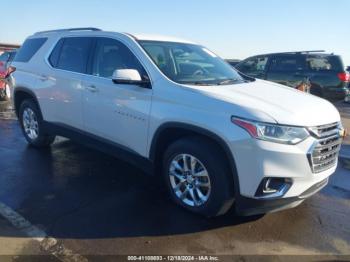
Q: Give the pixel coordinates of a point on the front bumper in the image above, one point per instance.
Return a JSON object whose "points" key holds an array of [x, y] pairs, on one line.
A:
{"points": [[257, 159], [250, 206]]}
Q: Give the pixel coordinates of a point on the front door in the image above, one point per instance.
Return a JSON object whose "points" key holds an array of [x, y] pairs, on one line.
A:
{"points": [[116, 112]]}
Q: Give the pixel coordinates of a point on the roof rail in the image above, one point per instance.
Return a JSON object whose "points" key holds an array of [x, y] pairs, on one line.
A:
{"points": [[300, 52], [69, 30]]}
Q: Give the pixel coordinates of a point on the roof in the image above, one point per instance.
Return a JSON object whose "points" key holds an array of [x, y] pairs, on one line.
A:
{"points": [[316, 52], [148, 37], [152, 37]]}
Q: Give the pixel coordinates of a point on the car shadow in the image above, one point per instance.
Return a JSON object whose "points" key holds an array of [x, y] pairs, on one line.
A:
{"points": [[72, 191]]}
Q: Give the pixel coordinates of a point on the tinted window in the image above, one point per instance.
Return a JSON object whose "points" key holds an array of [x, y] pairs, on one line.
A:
{"points": [[74, 54], [324, 63], [285, 63], [253, 65], [53, 59], [111, 55], [28, 49]]}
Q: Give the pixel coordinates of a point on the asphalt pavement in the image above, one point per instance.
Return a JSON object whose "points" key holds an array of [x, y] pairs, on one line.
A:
{"points": [[94, 204]]}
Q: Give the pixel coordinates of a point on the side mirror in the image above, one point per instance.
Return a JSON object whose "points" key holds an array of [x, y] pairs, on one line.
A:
{"points": [[348, 68], [129, 77]]}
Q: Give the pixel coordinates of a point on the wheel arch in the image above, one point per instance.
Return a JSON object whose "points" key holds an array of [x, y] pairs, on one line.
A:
{"points": [[171, 131], [22, 93]]}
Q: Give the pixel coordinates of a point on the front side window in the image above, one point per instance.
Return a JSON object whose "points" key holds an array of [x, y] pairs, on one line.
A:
{"points": [[74, 54], [190, 63], [254, 65], [29, 49], [111, 55]]}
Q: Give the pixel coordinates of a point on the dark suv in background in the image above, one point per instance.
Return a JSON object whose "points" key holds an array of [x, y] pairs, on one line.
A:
{"points": [[325, 73]]}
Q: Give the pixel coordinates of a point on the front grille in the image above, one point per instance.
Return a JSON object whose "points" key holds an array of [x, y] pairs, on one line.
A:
{"points": [[324, 153]]}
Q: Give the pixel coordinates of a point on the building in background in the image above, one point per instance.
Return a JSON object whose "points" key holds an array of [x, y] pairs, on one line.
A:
{"points": [[6, 47]]}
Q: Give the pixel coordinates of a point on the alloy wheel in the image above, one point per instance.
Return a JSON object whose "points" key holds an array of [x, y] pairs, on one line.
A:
{"points": [[189, 180], [30, 123]]}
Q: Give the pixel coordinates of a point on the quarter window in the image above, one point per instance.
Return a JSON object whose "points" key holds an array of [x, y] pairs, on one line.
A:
{"points": [[111, 55], [29, 49]]}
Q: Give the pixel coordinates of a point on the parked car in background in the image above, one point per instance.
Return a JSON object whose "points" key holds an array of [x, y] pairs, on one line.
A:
{"points": [[176, 109], [347, 98], [5, 61], [233, 62], [325, 72]]}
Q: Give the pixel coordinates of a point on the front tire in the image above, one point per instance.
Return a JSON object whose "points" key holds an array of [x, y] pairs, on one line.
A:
{"points": [[32, 125], [197, 176]]}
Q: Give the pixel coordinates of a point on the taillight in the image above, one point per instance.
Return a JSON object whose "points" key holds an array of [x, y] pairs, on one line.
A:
{"points": [[10, 70], [344, 77]]}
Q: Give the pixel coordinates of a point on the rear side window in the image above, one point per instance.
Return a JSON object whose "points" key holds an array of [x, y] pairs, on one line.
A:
{"points": [[324, 63], [55, 55], [28, 49], [286, 64], [71, 54]]}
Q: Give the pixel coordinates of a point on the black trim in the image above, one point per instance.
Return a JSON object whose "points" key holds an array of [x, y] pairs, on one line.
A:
{"points": [[249, 206], [142, 83], [201, 131], [101, 144], [29, 92]]}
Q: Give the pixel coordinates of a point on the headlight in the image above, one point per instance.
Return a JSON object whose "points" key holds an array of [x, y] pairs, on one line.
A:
{"points": [[272, 132]]}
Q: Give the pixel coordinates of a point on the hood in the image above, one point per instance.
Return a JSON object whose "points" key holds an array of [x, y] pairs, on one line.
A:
{"points": [[284, 104]]}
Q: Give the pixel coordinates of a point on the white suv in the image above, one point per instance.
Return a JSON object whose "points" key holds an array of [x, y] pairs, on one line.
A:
{"points": [[173, 107]]}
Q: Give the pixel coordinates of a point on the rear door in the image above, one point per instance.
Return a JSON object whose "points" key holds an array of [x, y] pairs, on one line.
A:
{"points": [[255, 66], [62, 83], [287, 70]]}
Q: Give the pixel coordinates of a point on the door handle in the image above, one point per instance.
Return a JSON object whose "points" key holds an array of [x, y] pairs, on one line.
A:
{"points": [[44, 78], [92, 88]]}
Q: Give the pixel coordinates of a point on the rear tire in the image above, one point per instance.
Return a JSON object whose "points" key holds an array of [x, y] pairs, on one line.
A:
{"points": [[31, 122], [197, 176], [3, 94], [7, 92], [316, 91]]}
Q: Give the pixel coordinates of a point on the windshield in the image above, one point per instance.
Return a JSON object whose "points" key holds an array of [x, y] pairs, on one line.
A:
{"points": [[190, 64]]}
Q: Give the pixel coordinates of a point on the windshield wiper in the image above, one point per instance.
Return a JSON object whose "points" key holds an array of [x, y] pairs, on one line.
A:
{"points": [[230, 80], [198, 83]]}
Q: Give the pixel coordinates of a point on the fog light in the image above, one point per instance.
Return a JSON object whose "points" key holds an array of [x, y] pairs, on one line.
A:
{"points": [[272, 187]]}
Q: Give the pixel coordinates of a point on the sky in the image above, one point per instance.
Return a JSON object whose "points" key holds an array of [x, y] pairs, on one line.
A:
{"points": [[230, 28]]}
